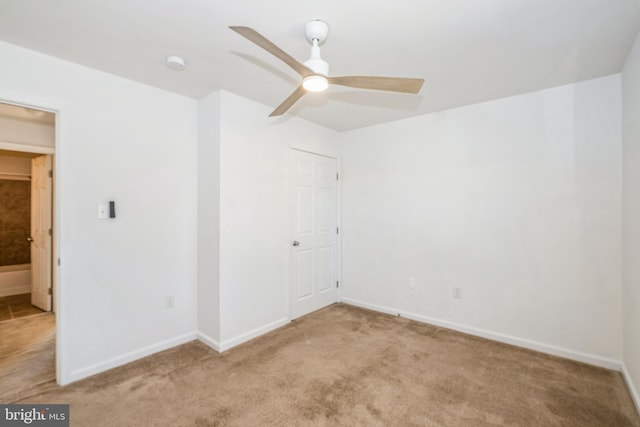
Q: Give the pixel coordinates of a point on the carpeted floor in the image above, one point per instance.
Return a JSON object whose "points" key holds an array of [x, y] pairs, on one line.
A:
{"points": [[347, 366]]}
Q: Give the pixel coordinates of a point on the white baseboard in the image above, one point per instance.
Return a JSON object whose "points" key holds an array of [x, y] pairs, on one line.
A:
{"points": [[207, 340], [373, 307], [16, 290], [230, 343], [633, 391], [15, 280], [496, 336], [81, 373]]}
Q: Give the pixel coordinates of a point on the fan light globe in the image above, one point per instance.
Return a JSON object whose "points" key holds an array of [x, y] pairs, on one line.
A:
{"points": [[315, 83]]}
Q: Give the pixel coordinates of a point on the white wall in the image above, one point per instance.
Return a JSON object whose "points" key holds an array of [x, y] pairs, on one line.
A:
{"points": [[209, 110], [254, 244], [123, 141], [517, 201], [631, 216]]}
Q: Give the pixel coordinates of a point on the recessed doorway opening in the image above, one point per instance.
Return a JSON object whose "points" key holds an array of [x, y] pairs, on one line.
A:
{"points": [[27, 317]]}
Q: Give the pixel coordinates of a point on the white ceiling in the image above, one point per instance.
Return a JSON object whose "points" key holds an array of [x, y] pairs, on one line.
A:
{"points": [[467, 50]]}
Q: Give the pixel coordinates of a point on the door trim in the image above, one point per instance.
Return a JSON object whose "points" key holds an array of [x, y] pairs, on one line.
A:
{"points": [[287, 243]]}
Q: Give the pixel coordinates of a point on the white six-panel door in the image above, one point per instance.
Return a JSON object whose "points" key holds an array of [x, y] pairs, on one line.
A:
{"points": [[314, 240], [40, 232]]}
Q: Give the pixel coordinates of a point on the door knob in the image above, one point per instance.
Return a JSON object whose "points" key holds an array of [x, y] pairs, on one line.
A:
{"points": [[30, 239], [295, 243]]}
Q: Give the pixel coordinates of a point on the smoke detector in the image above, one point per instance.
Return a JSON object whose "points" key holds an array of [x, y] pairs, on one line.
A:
{"points": [[176, 63]]}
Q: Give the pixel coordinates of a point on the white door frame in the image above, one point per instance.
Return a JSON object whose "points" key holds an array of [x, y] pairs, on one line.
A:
{"points": [[288, 224], [59, 296]]}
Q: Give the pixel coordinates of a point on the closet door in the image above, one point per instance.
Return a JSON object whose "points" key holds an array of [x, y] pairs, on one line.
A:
{"points": [[313, 220]]}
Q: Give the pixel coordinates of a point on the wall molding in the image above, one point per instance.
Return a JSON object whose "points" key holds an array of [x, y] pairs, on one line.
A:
{"points": [[15, 280], [208, 341], [18, 267], [16, 290], [122, 359], [632, 389], [240, 339], [15, 176], [28, 148], [591, 359]]}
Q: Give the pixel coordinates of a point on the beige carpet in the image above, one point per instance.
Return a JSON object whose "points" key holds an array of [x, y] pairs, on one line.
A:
{"points": [[27, 358], [348, 366]]}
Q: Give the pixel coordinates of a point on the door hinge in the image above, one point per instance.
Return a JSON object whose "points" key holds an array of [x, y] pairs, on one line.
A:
{"points": [[49, 291], [58, 261], [337, 176], [337, 284], [50, 174], [337, 230], [50, 232]]}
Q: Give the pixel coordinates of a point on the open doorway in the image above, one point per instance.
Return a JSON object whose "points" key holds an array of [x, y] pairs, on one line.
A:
{"points": [[25, 234], [27, 320]]}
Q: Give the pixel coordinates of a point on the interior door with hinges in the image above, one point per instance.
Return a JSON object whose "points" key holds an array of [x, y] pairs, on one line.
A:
{"points": [[41, 239], [313, 196]]}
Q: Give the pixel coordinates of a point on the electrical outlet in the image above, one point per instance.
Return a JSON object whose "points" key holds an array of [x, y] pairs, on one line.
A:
{"points": [[412, 282], [456, 292], [169, 301]]}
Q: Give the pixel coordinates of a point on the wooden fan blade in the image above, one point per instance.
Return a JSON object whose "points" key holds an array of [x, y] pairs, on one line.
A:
{"points": [[393, 84], [288, 103], [257, 38]]}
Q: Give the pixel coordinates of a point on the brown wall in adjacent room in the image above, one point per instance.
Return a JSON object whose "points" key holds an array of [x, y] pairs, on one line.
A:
{"points": [[15, 214]]}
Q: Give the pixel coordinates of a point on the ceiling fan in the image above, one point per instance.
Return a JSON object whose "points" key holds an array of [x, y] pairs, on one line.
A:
{"points": [[315, 71]]}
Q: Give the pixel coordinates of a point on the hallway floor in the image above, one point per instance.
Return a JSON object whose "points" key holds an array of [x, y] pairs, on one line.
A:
{"points": [[27, 356], [15, 306]]}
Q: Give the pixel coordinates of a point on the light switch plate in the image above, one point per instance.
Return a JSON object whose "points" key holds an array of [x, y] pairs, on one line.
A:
{"points": [[103, 211]]}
